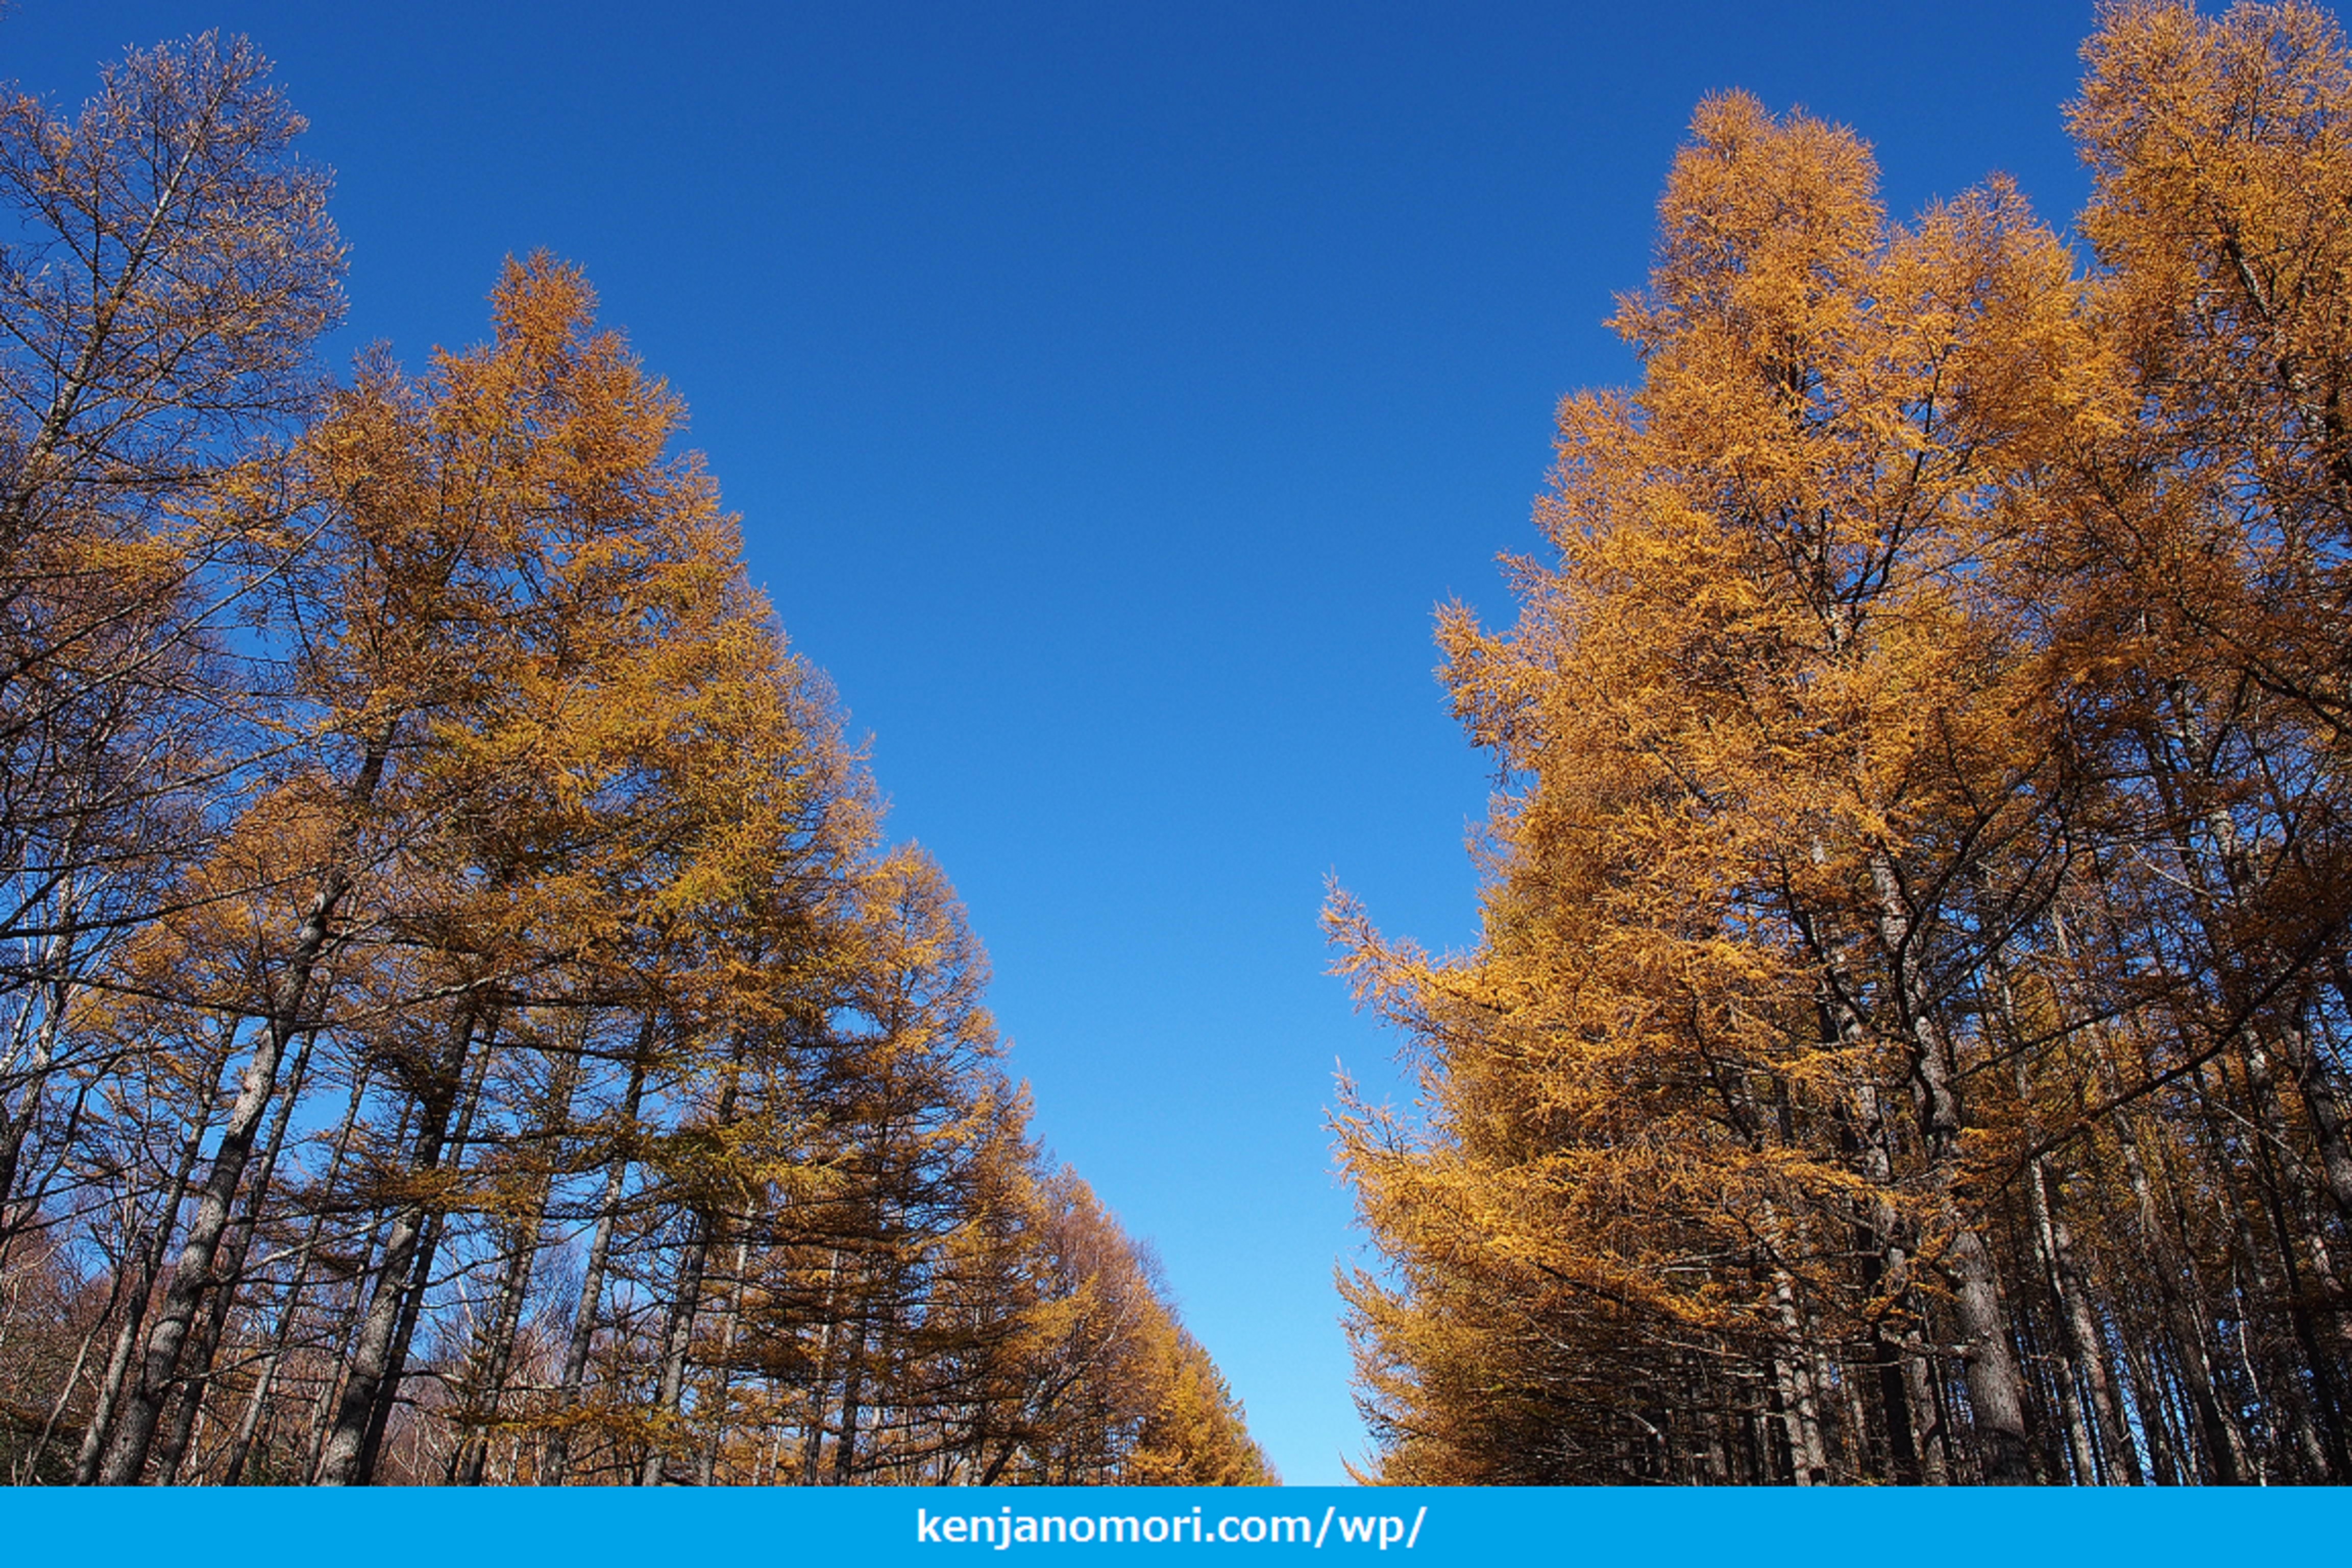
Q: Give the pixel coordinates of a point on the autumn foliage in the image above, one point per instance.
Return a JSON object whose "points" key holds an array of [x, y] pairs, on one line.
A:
{"points": [[463, 1021], [1907, 1041]]}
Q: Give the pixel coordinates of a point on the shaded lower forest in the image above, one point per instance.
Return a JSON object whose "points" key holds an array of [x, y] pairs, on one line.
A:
{"points": [[460, 1019], [1908, 1038]]}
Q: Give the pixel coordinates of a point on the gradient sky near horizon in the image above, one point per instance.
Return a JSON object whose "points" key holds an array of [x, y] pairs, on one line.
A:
{"points": [[1110, 393]]}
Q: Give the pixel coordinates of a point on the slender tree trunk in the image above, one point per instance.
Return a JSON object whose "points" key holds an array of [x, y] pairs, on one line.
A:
{"points": [[678, 1332], [2170, 1461], [241, 1448], [436, 1219], [2182, 1293], [31, 1473], [2282, 1165], [1921, 1384], [396, 1357], [197, 1360], [677, 1337], [17, 1124], [2183, 1319], [486, 1391], [852, 1393], [127, 1455], [1886, 1281], [402, 1277], [2323, 1438], [715, 1428], [371, 1354], [2094, 1428], [2082, 1439], [134, 1307], [1995, 1385], [2119, 1460], [336, 1345], [2324, 1092], [820, 1391], [592, 1282], [1801, 1413]]}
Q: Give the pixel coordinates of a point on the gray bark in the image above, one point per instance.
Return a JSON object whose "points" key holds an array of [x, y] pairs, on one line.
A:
{"points": [[134, 1310], [197, 1361], [400, 1278], [126, 1453], [1996, 1385]]}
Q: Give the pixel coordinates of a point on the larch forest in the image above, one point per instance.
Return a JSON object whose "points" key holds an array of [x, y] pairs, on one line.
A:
{"points": [[466, 1023], [463, 1022], [1906, 1041]]}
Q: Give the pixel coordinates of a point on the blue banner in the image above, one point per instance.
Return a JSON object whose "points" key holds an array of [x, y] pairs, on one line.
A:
{"points": [[597, 1528]]}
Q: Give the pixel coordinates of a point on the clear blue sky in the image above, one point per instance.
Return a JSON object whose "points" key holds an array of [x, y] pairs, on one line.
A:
{"points": [[1109, 393]]}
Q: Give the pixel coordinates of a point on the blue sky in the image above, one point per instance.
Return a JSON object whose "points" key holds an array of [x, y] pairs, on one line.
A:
{"points": [[1110, 393]]}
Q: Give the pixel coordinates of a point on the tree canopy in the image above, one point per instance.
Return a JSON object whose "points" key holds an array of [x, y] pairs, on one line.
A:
{"points": [[464, 1021], [1906, 1040]]}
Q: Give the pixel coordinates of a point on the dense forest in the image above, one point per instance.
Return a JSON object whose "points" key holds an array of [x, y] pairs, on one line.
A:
{"points": [[463, 1022], [1907, 1036]]}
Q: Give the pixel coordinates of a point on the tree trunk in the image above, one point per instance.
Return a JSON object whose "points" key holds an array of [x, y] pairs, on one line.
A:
{"points": [[127, 1455], [17, 1124], [402, 1277], [264, 1379], [486, 1391], [1995, 1385], [197, 1360], [592, 1281], [723, 1371], [134, 1309], [853, 1395], [677, 1337]]}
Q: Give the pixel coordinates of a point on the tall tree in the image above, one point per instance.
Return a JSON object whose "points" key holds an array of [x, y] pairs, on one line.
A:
{"points": [[1922, 791], [462, 1020], [170, 264]]}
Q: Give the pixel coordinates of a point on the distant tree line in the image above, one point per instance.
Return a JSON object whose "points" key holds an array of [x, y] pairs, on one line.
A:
{"points": [[459, 1021], [1907, 1040]]}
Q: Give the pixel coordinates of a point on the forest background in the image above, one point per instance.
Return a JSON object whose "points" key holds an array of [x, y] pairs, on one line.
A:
{"points": [[1108, 399]]}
